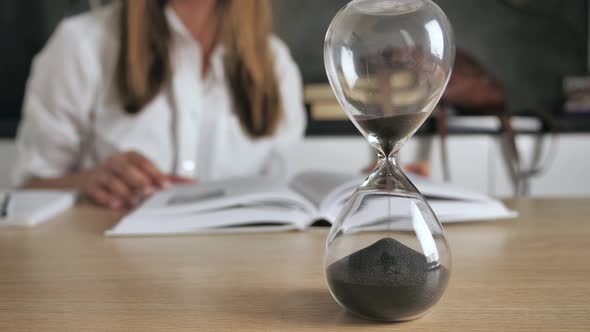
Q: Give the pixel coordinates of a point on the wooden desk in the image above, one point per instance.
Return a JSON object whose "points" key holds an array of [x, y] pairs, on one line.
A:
{"points": [[528, 274]]}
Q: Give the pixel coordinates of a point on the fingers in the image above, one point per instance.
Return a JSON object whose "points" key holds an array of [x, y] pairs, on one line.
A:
{"points": [[157, 178], [129, 173], [121, 192], [124, 181], [103, 198], [180, 179], [419, 168], [118, 188], [110, 190], [137, 172]]}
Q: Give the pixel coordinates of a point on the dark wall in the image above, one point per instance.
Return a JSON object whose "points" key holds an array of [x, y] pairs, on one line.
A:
{"points": [[529, 46], [25, 25], [530, 49]]}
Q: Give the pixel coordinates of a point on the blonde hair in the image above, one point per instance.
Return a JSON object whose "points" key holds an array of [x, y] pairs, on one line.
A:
{"points": [[244, 29]]}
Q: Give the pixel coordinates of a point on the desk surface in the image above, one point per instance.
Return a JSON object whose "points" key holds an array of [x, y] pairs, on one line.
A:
{"points": [[532, 274]]}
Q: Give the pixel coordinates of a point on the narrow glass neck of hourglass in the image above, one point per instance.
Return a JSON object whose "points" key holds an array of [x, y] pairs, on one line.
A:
{"points": [[387, 176], [387, 148], [382, 158]]}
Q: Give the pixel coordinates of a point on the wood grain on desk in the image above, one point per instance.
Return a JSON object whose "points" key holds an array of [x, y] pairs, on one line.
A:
{"points": [[528, 274]]}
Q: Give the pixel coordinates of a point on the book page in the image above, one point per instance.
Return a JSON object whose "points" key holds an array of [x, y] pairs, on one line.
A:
{"points": [[450, 203], [467, 211], [249, 202], [196, 198], [440, 190], [447, 211], [259, 218], [319, 186]]}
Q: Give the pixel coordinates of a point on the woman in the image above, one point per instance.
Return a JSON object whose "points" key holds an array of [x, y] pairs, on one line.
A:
{"points": [[126, 100]]}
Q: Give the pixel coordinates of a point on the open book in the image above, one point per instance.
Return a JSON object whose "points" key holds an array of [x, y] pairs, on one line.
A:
{"points": [[267, 204]]}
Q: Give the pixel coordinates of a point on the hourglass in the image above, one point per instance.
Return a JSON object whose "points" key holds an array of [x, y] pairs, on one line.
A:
{"points": [[388, 62]]}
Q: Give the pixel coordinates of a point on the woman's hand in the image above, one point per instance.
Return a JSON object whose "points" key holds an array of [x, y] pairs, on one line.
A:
{"points": [[125, 180]]}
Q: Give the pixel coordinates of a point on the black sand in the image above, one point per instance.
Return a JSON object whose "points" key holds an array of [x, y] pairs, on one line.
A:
{"points": [[392, 128], [387, 281]]}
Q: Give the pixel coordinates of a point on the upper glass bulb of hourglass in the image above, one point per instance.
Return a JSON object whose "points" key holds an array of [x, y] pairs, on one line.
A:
{"points": [[388, 62]]}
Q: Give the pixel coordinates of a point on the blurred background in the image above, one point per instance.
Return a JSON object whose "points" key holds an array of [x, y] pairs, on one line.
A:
{"points": [[522, 127]]}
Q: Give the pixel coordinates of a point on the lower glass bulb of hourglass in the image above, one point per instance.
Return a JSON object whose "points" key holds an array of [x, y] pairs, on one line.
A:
{"points": [[387, 257]]}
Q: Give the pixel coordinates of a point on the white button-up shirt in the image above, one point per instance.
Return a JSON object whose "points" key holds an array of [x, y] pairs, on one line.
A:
{"points": [[72, 118]]}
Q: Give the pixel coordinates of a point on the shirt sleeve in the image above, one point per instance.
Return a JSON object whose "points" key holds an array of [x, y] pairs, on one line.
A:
{"points": [[58, 98], [291, 131]]}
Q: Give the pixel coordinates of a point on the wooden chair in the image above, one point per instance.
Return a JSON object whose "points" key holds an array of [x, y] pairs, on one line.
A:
{"points": [[475, 91]]}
